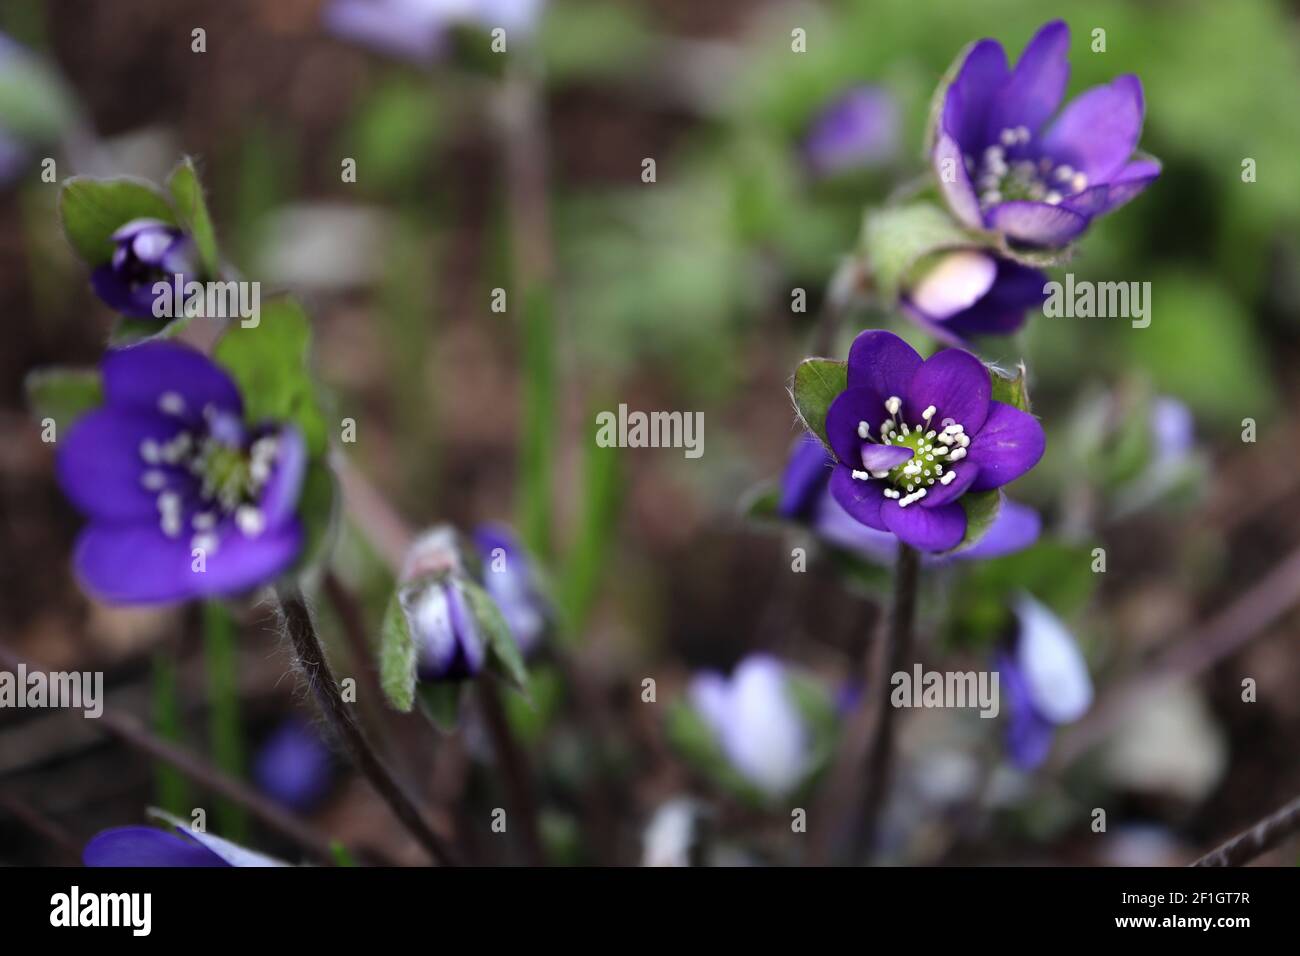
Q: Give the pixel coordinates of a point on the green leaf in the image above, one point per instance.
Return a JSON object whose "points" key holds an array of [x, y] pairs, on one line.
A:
{"points": [[192, 214], [130, 331], [35, 105], [63, 394], [817, 382], [505, 657], [397, 657], [441, 700], [93, 209], [900, 241], [981, 509], [318, 509], [269, 362], [1010, 389], [762, 502]]}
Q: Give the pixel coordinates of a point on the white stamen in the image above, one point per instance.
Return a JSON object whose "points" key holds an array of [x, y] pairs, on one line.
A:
{"points": [[948, 478], [205, 542], [204, 521], [864, 430], [171, 403], [153, 480], [928, 413], [250, 520], [893, 404], [917, 496], [957, 455], [861, 475], [149, 451]]}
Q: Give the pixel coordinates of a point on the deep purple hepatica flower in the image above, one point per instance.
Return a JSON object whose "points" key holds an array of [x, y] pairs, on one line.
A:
{"points": [[510, 579], [1045, 680], [911, 437], [148, 846], [147, 251], [806, 497], [185, 500], [449, 644], [295, 766], [968, 293], [859, 129], [756, 722], [1003, 163]]}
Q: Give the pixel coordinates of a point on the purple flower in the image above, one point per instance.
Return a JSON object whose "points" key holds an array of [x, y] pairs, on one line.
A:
{"points": [[417, 29], [148, 251], [1046, 682], [756, 722], [806, 497], [294, 766], [857, 130], [911, 437], [184, 498], [510, 579], [968, 293], [149, 846], [1003, 166]]}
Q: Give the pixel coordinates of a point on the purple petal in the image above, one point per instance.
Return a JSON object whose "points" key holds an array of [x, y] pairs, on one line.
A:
{"points": [[1028, 735], [1127, 184], [294, 766], [394, 27], [805, 477], [1054, 672], [955, 183], [115, 292], [709, 696], [957, 384], [926, 529], [1034, 90], [1016, 290], [849, 408], [835, 525], [883, 457], [1015, 528], [1036, 223], [861, 499], [138, 564], [968, 100], [146, 846], [858, 129], [100, 469], [1098, 130], [884, 362], [955, 283], [136, 377], [279, 499], [939, 494], [1009, 444]]}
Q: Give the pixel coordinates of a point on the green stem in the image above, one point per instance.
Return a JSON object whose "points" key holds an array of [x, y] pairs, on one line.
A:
{"points": [[225, 736], [538, 440], [171, 790]]}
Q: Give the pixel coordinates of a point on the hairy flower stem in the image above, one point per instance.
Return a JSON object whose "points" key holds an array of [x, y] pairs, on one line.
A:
{"points": [[311, 658], [1259, 839], [891, 657], [515, 772]]}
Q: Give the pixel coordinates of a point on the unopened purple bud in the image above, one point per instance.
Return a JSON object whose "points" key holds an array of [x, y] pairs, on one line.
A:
{"points": [[147, 251], [858, 130]]}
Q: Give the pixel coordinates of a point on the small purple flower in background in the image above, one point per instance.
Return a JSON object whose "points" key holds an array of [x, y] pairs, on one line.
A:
{"points": [[858, 130], [968, 293], [294, 766], [1003, 166], [185, 500], [756, 722], [417, 29], [911, 437], [148, 251], [449, 645], [806, 497], [149, 846], [1173, 432], [1045, 680], [510, 579]]}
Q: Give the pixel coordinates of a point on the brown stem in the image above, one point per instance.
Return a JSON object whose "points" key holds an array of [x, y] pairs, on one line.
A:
{"points": [[131, 732], [894, 658], [1260, 838], [516, 773], [311, 658]]}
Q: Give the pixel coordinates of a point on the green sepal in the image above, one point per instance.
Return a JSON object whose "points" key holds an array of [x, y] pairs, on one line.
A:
{"points": [[817, 382], [901, 242], [63, 394], [504, 658], [192, 214], [981, 509], [1010, 389], [397, 656], [441, 702], [91, 210]]}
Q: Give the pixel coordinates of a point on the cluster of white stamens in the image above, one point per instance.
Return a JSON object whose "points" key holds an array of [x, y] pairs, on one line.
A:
{"points": [[1000, 177], [230, 480], [930, 451]]}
